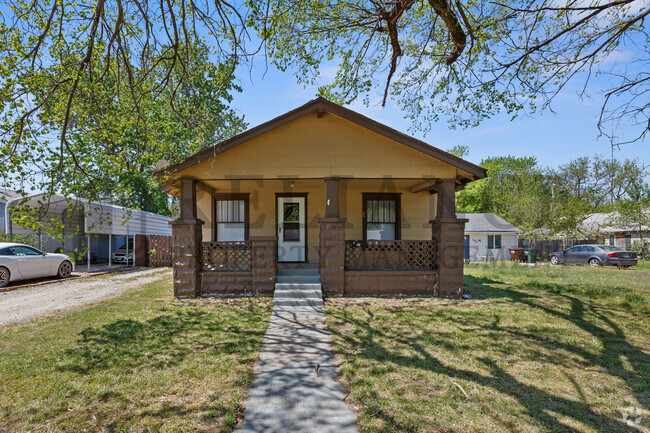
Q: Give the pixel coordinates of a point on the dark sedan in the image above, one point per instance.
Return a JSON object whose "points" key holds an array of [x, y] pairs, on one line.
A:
{"points": [[594, 255]]}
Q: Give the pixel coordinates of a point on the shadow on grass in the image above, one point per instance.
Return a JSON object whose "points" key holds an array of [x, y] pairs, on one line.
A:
{"points": [[165, 340], [537, 403]]}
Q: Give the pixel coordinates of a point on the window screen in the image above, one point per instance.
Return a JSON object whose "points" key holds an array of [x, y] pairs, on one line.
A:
{"points": [[231, 220]]}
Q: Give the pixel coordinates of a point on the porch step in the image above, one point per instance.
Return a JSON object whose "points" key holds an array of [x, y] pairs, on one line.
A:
{"points": [[298, 272], [297, 295], [298, 279]]}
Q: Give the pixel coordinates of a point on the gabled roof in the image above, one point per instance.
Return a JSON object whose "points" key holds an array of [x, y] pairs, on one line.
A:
{"points": [[321, 105], [487, 222], [607, 222]]}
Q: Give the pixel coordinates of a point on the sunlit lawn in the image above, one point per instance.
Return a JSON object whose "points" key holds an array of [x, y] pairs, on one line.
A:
{"points": [[139, 362], [537, 349]]}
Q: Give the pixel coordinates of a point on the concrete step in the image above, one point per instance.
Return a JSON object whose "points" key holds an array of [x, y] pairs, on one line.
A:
{"points": [[298, 295], [298, 279], [297, 271]]}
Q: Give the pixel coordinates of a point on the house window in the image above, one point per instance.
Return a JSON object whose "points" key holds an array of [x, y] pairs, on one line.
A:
{"points": [[230, 217], [494, 242], [381, 216]]}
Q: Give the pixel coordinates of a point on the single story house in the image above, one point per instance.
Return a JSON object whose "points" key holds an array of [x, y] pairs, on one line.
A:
{"points": [[373, 209], [75, 225], [604, 225], [488, 237]]}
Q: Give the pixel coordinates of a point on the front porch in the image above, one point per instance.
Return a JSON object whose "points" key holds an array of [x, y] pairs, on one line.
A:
{"points": [[332, 228]]}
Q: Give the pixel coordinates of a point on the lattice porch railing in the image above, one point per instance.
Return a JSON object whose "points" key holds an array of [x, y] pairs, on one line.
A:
{"points": [[377, 255], [227, 256]]}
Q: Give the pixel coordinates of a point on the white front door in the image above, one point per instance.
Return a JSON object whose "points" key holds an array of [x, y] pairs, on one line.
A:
{"points": [[291, 229]]}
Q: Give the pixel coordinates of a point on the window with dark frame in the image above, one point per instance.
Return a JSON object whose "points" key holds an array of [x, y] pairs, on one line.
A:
{"points": [[494, 242], [230, 217], [381, 216]]}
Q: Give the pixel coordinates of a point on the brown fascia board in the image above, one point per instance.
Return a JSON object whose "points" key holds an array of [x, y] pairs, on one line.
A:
{"points": [[320, 105]]}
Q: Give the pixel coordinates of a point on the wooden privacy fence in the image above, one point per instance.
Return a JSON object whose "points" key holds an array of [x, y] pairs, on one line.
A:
{"points": [[547, 246], [153, 250]]}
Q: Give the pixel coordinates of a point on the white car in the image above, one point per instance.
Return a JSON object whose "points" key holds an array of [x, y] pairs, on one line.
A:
{"points": [[21, 262], [120, 256]]}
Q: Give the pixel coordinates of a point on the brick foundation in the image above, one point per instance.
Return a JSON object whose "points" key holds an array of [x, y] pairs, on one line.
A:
{"points": [[226, 284], [390, 283]]}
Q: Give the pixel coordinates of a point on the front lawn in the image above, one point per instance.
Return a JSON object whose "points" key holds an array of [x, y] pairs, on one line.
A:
{"points": [[139, 362], [541, 348]]}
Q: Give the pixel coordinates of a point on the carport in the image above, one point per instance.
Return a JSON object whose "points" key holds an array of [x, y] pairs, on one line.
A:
{"points": [[88, 231]]}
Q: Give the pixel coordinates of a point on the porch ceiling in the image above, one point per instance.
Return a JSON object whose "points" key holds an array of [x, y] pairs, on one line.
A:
{"points": [[215, 186]]}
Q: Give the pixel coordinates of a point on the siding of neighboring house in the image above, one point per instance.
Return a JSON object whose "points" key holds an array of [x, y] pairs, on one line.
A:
{"points": [[625, 239], [478, 246]]}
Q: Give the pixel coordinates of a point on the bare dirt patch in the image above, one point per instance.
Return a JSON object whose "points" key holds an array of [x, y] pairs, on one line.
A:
{"points": [[31, 302]]}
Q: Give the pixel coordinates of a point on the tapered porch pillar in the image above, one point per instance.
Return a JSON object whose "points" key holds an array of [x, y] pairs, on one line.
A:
{"points": [[332, 242], [187, 234], [449, 231]]}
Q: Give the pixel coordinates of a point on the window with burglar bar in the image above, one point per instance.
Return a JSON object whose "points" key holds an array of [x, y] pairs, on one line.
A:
{"points": [[381, 214]]}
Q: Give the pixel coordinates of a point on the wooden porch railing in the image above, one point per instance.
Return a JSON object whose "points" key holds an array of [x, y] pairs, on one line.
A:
{"points": [[227, 256], [375, 255]]}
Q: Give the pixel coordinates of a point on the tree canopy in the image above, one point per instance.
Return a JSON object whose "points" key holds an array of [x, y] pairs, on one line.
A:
{"points": [[549, 202], [469, 60], [465, 60]]}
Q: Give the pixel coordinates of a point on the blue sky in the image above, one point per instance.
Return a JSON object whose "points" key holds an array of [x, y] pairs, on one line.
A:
{"points": [[553, 138]]}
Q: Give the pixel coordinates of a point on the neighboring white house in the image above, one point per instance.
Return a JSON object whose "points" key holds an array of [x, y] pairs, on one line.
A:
{"points": [[488, 236], [103, 227]]}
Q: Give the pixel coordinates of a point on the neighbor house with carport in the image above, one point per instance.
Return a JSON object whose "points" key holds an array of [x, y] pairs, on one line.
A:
{"points": [[322, 186], [89, 231]]}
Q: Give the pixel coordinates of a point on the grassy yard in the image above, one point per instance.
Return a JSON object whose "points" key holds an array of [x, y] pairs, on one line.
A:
{"points": [[139, 362], [537, 349]]}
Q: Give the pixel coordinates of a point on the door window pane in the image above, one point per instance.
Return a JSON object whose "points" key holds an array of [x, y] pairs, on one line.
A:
{"points": [[291, 232], [292, 212]]}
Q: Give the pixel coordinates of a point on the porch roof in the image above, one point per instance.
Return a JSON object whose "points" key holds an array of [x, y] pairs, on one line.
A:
{"points": [[320, 106]]}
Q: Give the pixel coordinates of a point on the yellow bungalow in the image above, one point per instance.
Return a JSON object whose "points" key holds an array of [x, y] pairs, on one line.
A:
{"points": [[321, 186]]}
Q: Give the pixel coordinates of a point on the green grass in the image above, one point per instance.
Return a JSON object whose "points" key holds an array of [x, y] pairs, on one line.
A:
{"points": [[538, 349], [139, 362]]}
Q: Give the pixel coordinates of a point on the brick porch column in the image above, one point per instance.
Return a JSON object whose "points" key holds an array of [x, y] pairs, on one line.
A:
{"points": [[450, 234], [449, 231], [187, 235], [331, 258], [332, 255], [265, 261]]}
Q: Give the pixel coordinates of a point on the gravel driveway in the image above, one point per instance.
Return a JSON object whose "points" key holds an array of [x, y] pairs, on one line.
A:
{"points": [[24, 304]]}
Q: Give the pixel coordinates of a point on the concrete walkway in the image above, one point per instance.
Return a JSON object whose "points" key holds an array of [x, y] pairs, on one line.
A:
{"points": [[288, 395]]}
